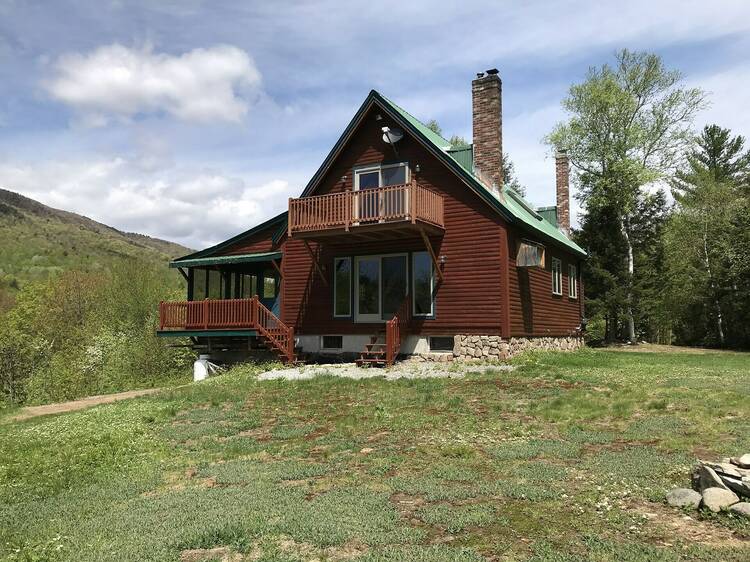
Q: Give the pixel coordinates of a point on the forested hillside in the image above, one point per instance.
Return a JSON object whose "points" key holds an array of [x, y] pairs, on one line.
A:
{"points": [[38, 240]]}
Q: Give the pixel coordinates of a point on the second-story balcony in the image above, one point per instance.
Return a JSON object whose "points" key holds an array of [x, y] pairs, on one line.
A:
{"points": [[393, 209]]}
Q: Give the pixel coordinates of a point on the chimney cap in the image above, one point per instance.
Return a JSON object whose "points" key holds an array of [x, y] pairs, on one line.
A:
{"points": [[480, 74], [561, 153], [493, 71]]}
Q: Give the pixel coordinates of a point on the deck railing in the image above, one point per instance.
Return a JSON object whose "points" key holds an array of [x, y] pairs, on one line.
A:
{"points": [[226, 314], [396, 330], [407, 202]]}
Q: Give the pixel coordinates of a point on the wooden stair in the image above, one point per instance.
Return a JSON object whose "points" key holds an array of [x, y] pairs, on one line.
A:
{"points": [[275, 335], [374, 353]]}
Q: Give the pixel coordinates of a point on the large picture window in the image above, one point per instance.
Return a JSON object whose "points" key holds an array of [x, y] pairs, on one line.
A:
{"points": [[422, 284], [556, 276], [342, 287]]}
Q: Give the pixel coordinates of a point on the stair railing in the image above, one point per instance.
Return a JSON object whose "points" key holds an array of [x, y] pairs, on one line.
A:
{"points": [[274, 330], [396, 330]]}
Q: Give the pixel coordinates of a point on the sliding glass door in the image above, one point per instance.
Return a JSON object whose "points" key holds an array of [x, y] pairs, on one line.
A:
{"points": [[394, 284], [380, 286]]}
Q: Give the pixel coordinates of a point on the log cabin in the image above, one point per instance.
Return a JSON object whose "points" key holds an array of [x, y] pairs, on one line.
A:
{"points": [[400, 244]]}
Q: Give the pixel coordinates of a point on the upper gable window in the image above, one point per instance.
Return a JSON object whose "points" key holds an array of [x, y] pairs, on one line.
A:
{"points": [[381, 175]]}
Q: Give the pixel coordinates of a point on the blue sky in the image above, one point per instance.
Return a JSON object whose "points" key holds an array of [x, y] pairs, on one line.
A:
{"points": [[193, 120]]}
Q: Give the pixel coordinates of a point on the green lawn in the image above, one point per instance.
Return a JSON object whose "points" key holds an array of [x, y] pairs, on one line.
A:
{"points": [[566, 458]]}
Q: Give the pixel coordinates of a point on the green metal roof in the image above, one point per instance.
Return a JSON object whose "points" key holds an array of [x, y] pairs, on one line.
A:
{"points": [[464, 155], [280, 219], [549, 214], [224, 260], [511, 205]]}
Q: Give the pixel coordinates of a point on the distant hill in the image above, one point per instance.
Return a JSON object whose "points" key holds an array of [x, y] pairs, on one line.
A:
{"points": [[37, 240]]}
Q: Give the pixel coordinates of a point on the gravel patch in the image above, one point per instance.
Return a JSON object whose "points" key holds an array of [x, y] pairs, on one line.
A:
{"points": [[403, 370]]}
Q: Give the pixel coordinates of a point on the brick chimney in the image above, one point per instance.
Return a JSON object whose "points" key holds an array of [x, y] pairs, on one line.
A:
{"points": [[487, 124], [562, 188]]}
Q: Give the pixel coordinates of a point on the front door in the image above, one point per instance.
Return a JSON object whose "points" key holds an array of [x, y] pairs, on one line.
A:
{"points": [[380, 286]]}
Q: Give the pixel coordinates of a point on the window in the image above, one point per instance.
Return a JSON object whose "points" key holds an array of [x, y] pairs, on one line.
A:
{"points": [[572, 282], [342, 287], [556, 276], [332, 342], [381, 175], [441, 343], [530, 255], [422, 284], [269, 284]]}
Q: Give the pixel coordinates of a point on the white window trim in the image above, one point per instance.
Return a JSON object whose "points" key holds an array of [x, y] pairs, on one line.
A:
{"points": [[379, 168], [322, 339], [432, 288], [370, 318], [572, 281], [556, 276], [351, 275]]}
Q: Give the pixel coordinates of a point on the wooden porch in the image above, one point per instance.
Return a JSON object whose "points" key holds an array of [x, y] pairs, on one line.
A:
{"points": [[229, 315], [368, 213]]}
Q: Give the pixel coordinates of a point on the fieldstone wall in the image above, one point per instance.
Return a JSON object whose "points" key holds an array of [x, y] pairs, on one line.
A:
{"points": [[495, 347]]}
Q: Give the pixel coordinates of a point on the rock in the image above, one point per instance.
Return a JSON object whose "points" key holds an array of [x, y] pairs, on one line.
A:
{"points": [[717, 499], [742, 508], [705, 477], [743, 461], [684, 497], [724, 468]]}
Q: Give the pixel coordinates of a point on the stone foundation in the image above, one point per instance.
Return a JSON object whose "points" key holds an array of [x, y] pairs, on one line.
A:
{"points": [[495, 347]]}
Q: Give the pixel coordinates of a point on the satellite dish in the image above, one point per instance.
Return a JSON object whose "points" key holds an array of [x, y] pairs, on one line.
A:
{"points": [[392, 136]]}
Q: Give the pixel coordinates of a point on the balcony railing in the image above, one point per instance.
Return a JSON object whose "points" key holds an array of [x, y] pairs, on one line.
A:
{"points": [[227, 315], [395, 203]]}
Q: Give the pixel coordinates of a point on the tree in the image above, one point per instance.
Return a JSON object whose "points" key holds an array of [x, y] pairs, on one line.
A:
{"points": [[627, 126], [716, 157], [707, 237]]}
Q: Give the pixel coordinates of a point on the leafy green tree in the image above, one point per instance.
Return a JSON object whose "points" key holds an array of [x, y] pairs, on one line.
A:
{"points": [[628, 124]]}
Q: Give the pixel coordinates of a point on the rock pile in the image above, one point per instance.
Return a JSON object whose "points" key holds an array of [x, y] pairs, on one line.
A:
{"points": [[717, 486]]}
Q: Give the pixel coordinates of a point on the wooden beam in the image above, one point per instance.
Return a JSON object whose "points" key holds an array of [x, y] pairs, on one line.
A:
{"points": [[435, 262], [277, 268], [182, 272], [315, 263]]}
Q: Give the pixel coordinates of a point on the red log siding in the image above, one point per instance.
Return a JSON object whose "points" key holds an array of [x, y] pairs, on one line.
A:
{"points": [[483, 292], [534, 310], [467, 301], [261, 241]]}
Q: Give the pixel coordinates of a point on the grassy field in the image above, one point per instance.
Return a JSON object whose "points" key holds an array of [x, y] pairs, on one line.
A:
{"points": [[566, 458]]}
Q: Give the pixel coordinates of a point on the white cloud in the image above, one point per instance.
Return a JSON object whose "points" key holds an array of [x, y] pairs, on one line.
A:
{"points": [[202, 85], [194, 208]]}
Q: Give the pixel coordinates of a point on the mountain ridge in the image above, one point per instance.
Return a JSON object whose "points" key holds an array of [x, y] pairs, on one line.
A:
{"points": [[38, 240]]}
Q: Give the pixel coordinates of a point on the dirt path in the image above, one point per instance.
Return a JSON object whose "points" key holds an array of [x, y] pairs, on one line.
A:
{"points": [[60, 407]]}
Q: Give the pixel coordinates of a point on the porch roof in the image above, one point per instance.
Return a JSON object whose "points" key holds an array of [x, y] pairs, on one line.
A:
{"points": [[225, 260]]}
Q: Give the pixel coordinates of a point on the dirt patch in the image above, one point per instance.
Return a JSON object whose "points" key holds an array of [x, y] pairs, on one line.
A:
{"points": [[658, 348], [83, 403], [680, 527]]}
